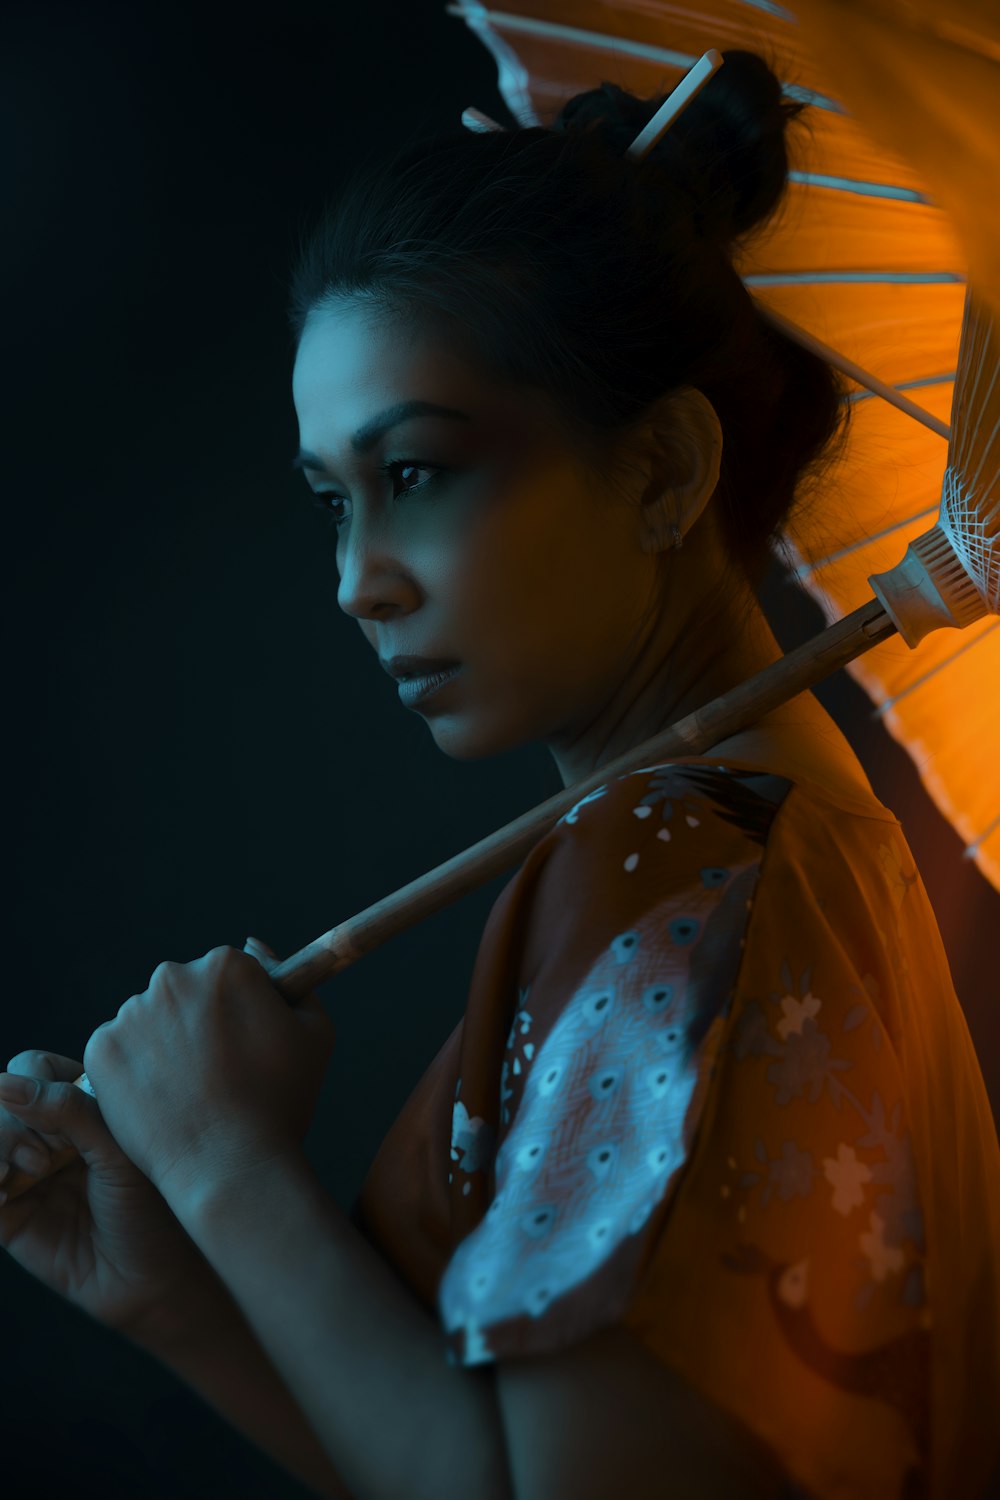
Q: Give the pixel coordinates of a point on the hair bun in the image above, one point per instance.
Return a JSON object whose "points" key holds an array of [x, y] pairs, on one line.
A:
{"points": [[727, 150]]}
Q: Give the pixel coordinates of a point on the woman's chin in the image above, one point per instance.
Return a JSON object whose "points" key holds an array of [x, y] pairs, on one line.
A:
{"points": [[461, 737]]}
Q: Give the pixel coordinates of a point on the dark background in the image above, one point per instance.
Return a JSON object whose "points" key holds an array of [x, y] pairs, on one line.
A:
{"points": [[198, 744]]}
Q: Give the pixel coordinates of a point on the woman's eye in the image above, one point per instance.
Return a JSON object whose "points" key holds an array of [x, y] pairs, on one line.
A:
{"points": [[331, 503]]}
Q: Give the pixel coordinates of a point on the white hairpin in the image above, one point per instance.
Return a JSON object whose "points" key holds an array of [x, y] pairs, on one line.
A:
{"points": [[474, 119], [692, 83]]}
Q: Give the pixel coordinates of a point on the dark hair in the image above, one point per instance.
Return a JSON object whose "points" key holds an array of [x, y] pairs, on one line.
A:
{"points": [[605, 281]]}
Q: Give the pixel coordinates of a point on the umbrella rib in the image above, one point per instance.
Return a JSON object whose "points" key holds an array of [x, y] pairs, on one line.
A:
{"points": [[852, 368], [971, 850], [977, 362], [907, 385], [856, 185], [771, 9], [937, 667], [479, 18], [863, 278], [804, 569]]}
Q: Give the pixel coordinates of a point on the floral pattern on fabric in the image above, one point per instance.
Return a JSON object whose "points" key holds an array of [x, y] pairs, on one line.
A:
{"points": [[805, 1068], [859, 1171]]}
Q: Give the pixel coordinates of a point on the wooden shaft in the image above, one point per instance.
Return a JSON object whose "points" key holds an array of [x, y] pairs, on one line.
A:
{"points": [[741, 706], [698, 732]]}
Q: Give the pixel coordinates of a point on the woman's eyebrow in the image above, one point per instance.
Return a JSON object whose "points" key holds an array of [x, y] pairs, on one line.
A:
{"points": [[369, 433]]}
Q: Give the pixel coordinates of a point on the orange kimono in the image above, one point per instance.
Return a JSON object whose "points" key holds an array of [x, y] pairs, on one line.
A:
{"points": [[713, 1082]]}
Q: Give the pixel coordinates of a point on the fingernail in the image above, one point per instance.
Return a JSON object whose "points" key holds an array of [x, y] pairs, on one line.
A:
{"points": [[31, 1159], [259, 948]]}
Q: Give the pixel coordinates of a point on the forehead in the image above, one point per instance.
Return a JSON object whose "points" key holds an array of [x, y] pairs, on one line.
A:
{"points": [[349, 353], [352, 362]]}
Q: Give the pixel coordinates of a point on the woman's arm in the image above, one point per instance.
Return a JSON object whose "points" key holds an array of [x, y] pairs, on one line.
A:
{"points": [[225, 1364], [356, 1350]]}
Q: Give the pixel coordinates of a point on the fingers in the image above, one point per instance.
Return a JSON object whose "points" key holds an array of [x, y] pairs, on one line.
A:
{"points": [[15, 1135], [63, 1114], [49, 1065], [257, 947], [310, 1005], [265, 956]]}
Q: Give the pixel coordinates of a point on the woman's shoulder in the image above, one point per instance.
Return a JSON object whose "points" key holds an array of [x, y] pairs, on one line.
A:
{"points": [[769, 775], [826, 787], [805, 746], [680, 822]]}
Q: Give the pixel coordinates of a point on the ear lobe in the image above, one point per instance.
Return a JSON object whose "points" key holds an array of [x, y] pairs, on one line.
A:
{"points": [[661, 523]]}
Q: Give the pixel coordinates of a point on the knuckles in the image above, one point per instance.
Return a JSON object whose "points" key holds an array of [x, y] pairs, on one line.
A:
{"points": [[227, 957], [100, 1040], [162, 973], [227, 963], [216, 959]]}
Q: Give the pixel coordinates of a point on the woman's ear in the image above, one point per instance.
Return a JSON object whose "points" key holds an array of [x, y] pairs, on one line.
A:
{"points": [[685, 458]]}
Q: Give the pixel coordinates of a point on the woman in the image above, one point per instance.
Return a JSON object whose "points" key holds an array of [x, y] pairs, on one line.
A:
{"points": [[700, 1197]]}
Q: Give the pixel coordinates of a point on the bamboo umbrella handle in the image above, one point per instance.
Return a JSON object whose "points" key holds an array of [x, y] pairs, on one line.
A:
{"points": [[343, 945]]}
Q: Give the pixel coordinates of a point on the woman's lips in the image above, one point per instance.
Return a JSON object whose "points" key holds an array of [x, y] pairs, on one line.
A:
{"points": [[414, 690]]}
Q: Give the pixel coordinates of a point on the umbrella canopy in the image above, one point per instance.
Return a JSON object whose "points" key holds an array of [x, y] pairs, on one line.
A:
{"points": [[924, 79], [869, 269]]}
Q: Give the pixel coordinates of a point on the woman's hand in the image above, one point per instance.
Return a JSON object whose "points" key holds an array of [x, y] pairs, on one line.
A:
{"points": [[96, 1232], [209, 1069]]}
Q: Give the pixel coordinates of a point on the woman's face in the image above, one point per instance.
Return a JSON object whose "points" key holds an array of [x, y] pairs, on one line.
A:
{"points": [[487, 544]]}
